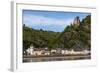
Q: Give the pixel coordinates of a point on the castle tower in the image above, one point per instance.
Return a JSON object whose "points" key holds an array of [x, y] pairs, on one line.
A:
{"points": [[76, 21]]}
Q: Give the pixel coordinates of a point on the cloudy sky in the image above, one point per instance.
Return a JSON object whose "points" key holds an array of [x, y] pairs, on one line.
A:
{"points": [[50, 20]]}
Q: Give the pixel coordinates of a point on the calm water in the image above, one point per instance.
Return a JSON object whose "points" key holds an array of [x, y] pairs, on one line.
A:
{"points": [[43, 59]]}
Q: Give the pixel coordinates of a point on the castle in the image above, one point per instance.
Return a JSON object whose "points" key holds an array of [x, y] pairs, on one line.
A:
{"points": [[76, 21]]}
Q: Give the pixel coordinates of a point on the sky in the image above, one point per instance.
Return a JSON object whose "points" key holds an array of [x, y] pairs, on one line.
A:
{"points": [[50, 20]]}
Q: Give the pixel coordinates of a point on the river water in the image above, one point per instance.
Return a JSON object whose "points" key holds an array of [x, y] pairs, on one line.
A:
{"points": [[44, 59]]}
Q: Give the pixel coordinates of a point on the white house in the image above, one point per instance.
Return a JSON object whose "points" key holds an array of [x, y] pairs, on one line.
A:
{"points": [[62, 51], [47, 53], [86, 52], [37, 53], [30, 50], [65, 51], [53, 51]]}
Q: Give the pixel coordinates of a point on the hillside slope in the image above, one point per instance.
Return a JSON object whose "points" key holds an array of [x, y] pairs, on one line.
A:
{"points": [[75, 37]]}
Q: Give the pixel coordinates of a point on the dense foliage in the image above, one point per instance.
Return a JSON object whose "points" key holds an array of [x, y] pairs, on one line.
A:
{"points": [[75, 37]]}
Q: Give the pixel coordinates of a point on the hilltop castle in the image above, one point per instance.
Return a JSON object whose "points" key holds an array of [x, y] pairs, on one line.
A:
{"points": [[76, 21]]}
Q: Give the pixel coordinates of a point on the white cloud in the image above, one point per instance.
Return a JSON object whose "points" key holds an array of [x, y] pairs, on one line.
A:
{"points": [[31, 20]]}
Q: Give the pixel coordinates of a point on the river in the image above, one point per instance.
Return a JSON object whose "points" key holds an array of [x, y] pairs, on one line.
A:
{"points": [[57, 58]]}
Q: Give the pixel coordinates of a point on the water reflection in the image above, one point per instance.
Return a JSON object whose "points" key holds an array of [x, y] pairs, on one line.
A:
{"points": [[44, 59]]}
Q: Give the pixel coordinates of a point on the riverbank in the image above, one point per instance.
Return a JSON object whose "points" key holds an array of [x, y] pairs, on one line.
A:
{"points": [[57, 55]]}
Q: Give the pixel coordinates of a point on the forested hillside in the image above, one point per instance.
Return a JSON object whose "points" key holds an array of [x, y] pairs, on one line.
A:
{"points": [[75, 37]]}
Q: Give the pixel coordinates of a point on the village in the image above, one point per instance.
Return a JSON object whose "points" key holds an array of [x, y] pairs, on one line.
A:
{"points": [[31, 51]]}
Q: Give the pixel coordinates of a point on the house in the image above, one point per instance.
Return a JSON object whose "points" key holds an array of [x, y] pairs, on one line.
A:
{"points": [[64, 51], [47, 53], [37, 52], [72, 52], [30, 50], [58, 51], [53, 51], [86, 52]]}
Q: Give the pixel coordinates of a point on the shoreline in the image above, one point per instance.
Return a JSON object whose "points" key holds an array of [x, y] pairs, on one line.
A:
{"points": [[55, 58], [68, 55]]}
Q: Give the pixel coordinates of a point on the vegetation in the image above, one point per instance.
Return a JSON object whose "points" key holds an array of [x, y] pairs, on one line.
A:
{"points": [[73, 37]]}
